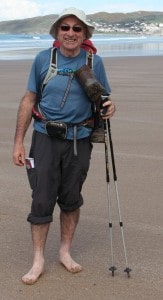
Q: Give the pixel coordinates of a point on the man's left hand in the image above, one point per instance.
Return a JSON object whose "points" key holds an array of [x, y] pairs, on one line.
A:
{"points": [[110, 110]]}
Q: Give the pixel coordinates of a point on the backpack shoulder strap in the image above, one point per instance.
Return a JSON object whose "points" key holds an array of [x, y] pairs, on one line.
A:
{"points": [[52, 71]]}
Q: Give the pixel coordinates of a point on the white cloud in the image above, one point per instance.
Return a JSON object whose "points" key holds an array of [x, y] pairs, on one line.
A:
{"points": [[21, 9], [18, 9], [48, 7], [125, 6]]}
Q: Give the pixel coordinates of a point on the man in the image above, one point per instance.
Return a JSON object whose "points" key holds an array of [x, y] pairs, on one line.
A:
{"points": [[59, 163]]}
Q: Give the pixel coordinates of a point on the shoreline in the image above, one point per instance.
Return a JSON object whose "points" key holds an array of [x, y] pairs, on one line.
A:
{"points": [[104, 58], [26, 47]]}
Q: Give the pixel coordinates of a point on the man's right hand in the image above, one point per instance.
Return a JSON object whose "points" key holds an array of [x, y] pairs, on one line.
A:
{"points": [[19, 155]]}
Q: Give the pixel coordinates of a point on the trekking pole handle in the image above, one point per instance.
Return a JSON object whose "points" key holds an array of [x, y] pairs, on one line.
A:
{"points": [[104, 98]]}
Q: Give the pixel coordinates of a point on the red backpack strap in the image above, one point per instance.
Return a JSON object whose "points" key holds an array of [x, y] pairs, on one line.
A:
{"points": [[89, 46]]}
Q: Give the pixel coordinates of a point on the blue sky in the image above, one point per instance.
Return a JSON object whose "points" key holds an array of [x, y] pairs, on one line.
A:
{"points": [[19, 9]]}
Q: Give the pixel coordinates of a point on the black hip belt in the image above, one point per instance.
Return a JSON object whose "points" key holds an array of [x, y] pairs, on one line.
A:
{"points": [[59, 129]]}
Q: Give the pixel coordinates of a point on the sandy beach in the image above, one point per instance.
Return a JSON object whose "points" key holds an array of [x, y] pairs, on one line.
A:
{"points": [[137, 133]]}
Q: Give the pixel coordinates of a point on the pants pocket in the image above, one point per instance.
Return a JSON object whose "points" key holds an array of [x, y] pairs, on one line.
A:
{"points": [[31, 173]]}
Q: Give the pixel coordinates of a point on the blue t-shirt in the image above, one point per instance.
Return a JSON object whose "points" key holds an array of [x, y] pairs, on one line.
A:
{"points": [[75, 106]]}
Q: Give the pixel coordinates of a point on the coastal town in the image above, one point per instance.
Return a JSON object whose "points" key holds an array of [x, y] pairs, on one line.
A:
{"points": [[134, 27]]}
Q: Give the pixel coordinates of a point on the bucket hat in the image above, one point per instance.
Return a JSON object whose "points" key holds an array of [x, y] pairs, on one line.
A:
{"points": [[72, 11]]}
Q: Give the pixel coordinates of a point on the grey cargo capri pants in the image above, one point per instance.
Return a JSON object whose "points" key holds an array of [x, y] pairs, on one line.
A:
{"points": [[57, 176]]}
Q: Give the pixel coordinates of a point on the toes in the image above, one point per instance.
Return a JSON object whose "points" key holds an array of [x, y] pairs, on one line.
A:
{"points": [[71, 265], [75, 269], [72, 269], [30, 279]]}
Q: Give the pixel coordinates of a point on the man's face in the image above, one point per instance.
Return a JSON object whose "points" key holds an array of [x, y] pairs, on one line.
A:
{"points": [[71, 33]]}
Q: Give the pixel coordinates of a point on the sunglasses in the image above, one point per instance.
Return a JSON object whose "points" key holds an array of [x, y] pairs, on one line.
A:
{"points": [[75, 28]]}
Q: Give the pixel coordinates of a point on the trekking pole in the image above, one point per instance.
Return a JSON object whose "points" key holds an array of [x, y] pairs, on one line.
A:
{"points": [[109, 141], [112, 268]]}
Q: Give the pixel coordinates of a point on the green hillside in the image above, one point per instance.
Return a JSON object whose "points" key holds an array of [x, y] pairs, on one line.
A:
{"points": [[41, 25]]}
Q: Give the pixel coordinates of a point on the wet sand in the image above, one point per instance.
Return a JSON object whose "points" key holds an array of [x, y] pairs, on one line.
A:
{"points": [[137, 133]]}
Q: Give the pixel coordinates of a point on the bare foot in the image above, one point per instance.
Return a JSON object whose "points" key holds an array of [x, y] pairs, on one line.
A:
{"points": [[70, 264], [34, 273]]}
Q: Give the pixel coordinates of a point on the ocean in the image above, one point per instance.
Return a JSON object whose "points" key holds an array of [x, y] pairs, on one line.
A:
{"points": [[13, 47]]}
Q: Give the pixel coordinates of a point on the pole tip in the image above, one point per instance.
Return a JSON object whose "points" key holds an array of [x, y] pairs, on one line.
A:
{"points": [[112, 269], [128, 270]]}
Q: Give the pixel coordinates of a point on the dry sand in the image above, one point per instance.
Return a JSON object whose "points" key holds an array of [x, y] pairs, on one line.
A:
{"points": [[137, 132]]}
